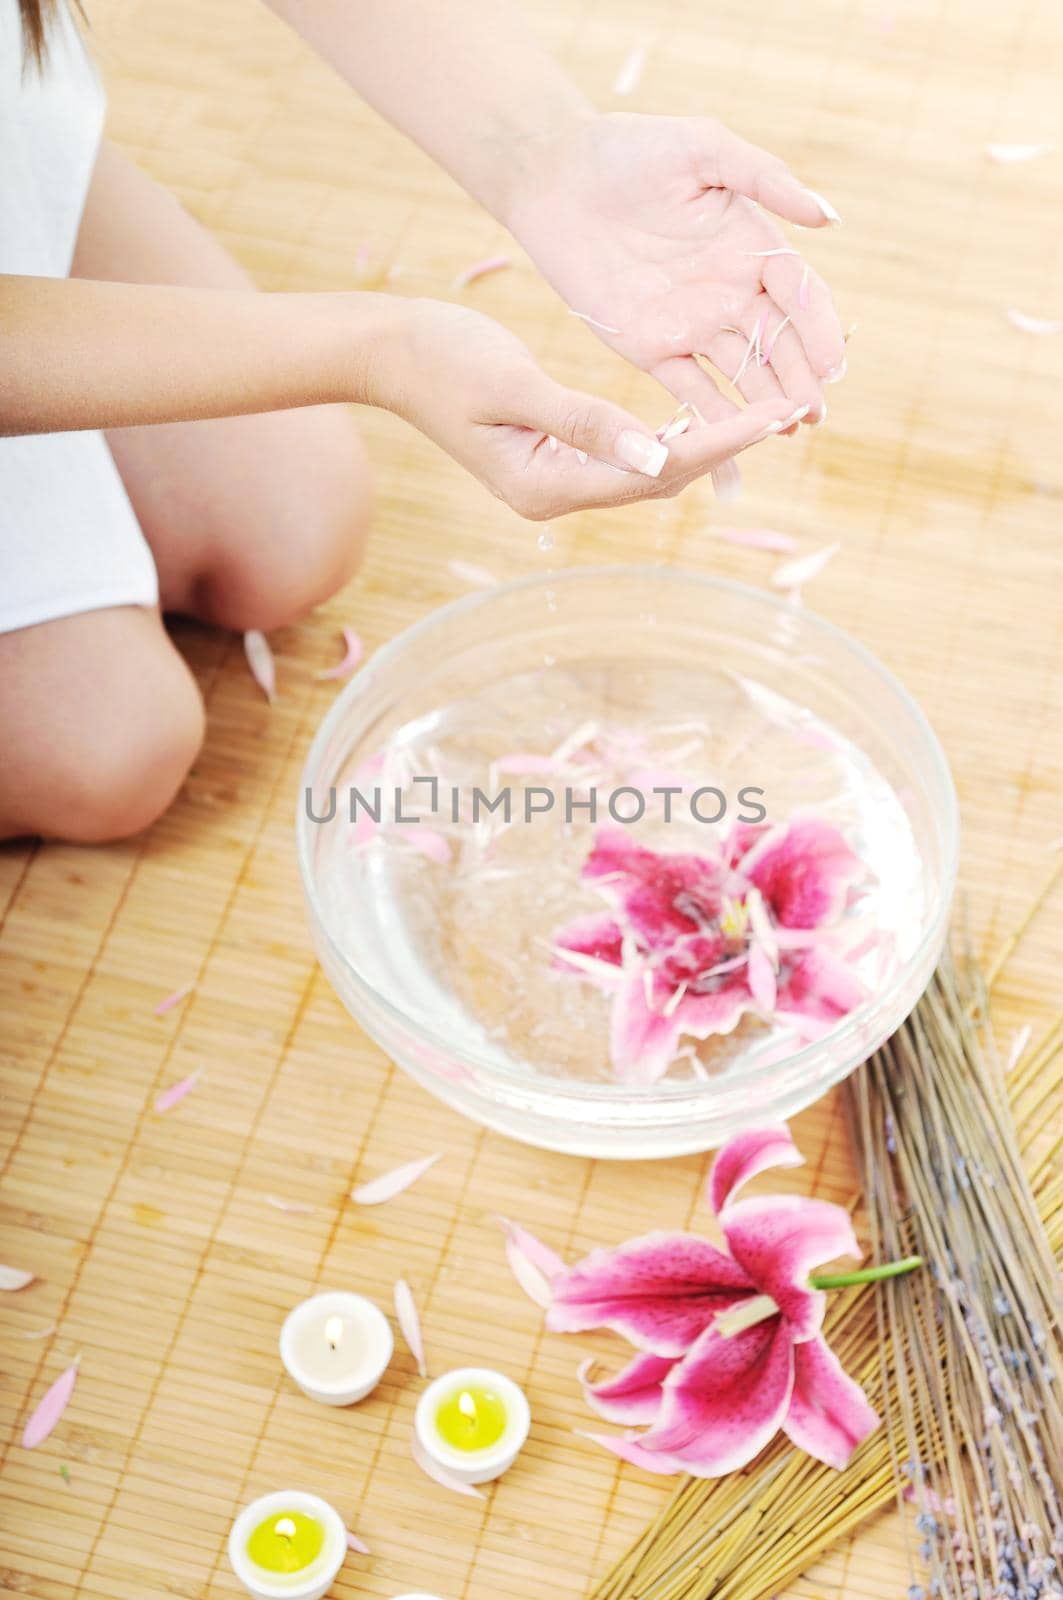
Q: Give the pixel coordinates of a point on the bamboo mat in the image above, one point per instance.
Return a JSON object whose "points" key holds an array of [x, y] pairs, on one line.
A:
{"points": [[160, 1256]]}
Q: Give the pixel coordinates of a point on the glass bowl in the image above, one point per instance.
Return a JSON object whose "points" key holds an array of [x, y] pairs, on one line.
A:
{"points": [[436, 918]]}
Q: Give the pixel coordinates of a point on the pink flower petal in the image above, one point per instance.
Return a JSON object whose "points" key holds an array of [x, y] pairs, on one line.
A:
{"points": [[1017, 1051], [480, 269], [643, 1038], [354, 650], [532, 1263], [795, 573], [173, 1000], [260, 660], [440, 1475], [39, 1333], [1039, 325], [168, 1098], [804, 870], [660, 1291], [629, 1449], [410, 1323], [778, 1240], [469, 572], [745, 1157], [389, 1184], [762, 985], [591, 946], [633, 1396], [816, 990], [430, 842], [726, 1400], [829, 1413], [359, 1546], [659, 896], [757, 538], [50, 1409], [15, 1278]]}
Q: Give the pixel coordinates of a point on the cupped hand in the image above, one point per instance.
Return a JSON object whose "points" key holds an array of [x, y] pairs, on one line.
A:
{"points": [[654, 229], [472, 387]]}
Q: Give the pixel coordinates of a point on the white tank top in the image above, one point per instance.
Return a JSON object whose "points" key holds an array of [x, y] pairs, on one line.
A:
{"points": [[50, 126]]}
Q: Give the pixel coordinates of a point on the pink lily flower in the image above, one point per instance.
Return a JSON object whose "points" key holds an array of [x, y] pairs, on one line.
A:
{"points": [[690, 943], [730, 1348]]}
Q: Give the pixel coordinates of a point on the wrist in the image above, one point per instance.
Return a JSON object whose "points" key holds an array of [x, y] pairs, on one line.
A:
{"points": [[529, 153], [355, 340]]}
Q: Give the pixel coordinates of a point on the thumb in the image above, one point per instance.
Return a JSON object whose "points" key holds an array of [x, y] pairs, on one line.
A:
{"points": [[598, 428], [728, 162]]}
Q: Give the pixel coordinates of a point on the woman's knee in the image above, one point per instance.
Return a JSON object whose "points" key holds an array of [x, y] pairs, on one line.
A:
{"points": [[309, 532], [98, 754]]}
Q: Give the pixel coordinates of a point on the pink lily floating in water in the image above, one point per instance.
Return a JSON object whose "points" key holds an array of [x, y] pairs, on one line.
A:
{"points": [[691, 944], [730, 1348]]}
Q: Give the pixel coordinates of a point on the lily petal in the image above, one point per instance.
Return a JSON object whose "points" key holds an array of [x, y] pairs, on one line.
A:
{"points": [[778, 1240], [389, 1184], [597, 938], [630, 1449], [633, 1396], [726, 1400], [410, 1323], [804, 871], [817, 987], [50, 1408], [532, 1263], [660, 897], [660, 1291], [643, 1033], [745, 1157], [829, 1413]]}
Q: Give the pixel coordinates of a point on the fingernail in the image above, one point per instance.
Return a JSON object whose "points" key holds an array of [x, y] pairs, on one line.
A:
{"points": [[824, 205], [645, 455], [582, 457], [822, 417], [788, 422], [727, 481], [837, 373]]}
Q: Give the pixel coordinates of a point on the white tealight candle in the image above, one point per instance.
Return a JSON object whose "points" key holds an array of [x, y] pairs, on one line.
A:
{"points": [[336, 1347], [473, 1423], [287, 1546]]}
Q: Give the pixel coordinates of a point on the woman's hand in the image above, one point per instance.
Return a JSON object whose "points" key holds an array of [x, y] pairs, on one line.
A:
{"points": [[475, 390], [654, 230]]}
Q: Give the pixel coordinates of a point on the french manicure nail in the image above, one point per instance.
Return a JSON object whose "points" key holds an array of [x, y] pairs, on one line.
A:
{"points": [[581, 457], [645, 455], [836, 374], [788, 422], [824, 205], [819, 420]]}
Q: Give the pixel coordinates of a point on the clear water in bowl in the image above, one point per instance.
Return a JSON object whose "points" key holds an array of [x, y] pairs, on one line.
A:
{"points": [[454, 918]]}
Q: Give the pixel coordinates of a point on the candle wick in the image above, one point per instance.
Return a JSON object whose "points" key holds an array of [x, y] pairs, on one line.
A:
{"points": [[285, 1528], [333, 1331], [467, 1405]]}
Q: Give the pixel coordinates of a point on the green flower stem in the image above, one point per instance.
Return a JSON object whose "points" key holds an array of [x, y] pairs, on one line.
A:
{"points": [[888, 1269]]}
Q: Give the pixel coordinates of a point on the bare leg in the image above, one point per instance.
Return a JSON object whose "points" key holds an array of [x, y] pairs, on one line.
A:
{"points": [[100, 720], [252, 520]]}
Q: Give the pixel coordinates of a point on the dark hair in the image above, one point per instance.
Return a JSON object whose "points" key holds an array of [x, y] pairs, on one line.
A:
{"points": [[36, 15]]}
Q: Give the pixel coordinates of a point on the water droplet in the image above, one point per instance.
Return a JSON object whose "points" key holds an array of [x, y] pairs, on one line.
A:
{"points": [[545, 541]]}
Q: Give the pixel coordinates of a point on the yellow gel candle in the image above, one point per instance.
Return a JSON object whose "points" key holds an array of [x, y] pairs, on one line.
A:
{"points": [[286, 1542], [471, 1419]]}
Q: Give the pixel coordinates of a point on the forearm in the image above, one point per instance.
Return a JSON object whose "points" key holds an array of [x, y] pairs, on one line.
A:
{"points": [[80, 354], [465, 79]]}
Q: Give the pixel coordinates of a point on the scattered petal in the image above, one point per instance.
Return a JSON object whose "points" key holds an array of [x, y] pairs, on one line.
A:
{"points": [[50, 1409], [1020, 320], [673, 429], [389, 1184], [295, 1207], [802, 291], [758, 538], [780, 250], [1015, 1054], [39, 1333], [410, 1323], [354, 650], [629, 77], [585, 316], [359, 1546], [746, 1156], [762, 984], [1009, 154], [469, 572], [480, 269], [168, 1098], [14, 1278], [727, 482], [173, 1000], [260, 660], [629, 1449], [439, 1474], [792, 574], [531, 1262]]}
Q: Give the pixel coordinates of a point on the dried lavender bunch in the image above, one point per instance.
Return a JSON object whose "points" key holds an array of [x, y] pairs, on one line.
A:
{"points": [[974, 1344]]}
